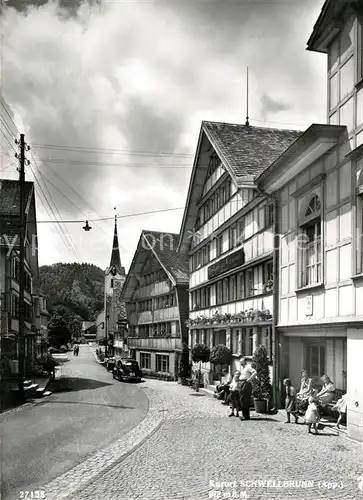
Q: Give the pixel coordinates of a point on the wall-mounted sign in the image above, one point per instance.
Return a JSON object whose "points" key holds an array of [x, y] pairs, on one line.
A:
{"points": [[309, 305], [233, 260]]}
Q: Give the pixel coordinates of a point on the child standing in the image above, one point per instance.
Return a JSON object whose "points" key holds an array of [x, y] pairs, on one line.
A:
{"points": [[341, 408], [290, 400], [312, 415], [234, 394]]}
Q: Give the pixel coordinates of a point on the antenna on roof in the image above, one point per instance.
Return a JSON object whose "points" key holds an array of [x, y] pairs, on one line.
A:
{"points": [[247, 121]]}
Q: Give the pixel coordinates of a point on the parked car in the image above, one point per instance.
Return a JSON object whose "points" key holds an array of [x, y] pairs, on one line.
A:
{"points": [[110, 364], [127, 369]]}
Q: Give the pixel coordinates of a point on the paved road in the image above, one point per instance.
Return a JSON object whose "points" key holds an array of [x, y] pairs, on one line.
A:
{"points": [[199, 446], [42, 441]]}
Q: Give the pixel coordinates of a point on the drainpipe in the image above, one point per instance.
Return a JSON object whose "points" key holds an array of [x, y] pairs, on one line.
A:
{"points": [[275, 270], [275, 307]]}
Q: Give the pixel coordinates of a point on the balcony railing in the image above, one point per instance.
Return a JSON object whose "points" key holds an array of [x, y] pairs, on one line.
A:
{"points": [[155, 343]]}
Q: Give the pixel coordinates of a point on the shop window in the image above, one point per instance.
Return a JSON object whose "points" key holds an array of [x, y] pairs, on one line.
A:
{"points": [[360, 233], [145, 360], [316, 362], [162, 363]]}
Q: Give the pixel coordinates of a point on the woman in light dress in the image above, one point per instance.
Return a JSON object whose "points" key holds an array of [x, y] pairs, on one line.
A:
{"points": [[306, 390], [327, 393]]}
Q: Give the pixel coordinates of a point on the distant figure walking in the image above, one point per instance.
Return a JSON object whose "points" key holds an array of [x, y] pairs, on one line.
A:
{"points": [[76, 350]]}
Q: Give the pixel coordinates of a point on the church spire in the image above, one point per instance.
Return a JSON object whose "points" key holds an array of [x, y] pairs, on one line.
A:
{"points": [[115, 262]]}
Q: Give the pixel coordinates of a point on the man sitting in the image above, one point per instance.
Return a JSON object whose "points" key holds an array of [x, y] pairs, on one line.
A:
{"points": [[222, 390]]}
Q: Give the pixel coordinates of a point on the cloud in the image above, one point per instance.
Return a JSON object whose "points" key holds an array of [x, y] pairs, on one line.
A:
{"points": [[134, 77], [269, 105]]}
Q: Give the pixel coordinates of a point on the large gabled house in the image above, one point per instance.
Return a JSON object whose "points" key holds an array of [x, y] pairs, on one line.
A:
{"points": [[318, 187], [9, 273], [228, 232], [156, 296]]}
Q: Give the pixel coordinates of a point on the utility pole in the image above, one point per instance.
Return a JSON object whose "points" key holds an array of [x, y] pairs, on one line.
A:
{"points": [[21, 336]]}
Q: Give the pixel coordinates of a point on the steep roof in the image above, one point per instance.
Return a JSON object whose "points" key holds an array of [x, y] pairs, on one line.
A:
{"points": [[115, 261], [248, 150], [330, 22], [10, 196], [164, 247], [245, 152]]}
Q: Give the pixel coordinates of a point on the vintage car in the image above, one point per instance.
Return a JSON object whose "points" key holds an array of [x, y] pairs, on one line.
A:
{"points": [[127, 369], [110, 363]]}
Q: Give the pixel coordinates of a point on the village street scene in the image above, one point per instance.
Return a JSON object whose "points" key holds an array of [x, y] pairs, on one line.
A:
{"points": [[194, 333]]}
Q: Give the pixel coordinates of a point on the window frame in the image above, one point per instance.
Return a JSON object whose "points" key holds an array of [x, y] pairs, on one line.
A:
{"points": [[160, 360], [311, 274]]}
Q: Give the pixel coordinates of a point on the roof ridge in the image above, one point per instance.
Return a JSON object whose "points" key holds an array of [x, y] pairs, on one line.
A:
{"points": [[251, 126]]}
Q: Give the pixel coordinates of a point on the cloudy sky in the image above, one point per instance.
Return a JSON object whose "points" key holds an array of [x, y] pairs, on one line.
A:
{"points": [[111, 98]]}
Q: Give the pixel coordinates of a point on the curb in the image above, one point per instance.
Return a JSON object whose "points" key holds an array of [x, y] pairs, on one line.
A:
{"points": [[68, 484]]}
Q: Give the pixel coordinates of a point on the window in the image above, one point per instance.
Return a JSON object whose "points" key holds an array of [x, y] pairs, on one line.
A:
{"points": [[266, 340], [219, 293], [235, 341], [240, 286], [232, 288], [267, 271], [269, 215], [249, 282], [219, 245], [249, 342], [311, 244], [360, 233], [162, 363], [233, 236], [316, 360], [240, 231], [145, 360], [111, 285], [225, 290]]}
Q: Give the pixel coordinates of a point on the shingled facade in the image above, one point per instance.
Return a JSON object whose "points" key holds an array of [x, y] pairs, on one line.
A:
{"points": [[156, 296]]}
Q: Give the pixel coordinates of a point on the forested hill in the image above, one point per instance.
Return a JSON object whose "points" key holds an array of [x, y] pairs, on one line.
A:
{"points": [[77, 287]]}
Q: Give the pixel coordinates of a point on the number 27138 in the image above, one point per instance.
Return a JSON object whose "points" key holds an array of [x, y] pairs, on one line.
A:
{"points": [[32, 494]]}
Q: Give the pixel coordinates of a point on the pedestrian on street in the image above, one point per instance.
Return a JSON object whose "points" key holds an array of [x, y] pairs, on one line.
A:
{"points": [[290, 401], [245, 393], [312, 415], [75, 350], [247, 372], [234, 396]]}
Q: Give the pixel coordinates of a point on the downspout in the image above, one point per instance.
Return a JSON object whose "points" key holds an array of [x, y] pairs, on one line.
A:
{"points": [[275, 270], [275, 300]]}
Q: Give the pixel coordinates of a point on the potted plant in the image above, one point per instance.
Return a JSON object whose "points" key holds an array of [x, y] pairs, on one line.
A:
{"points": [[268, 285], [262, 389], [220, 355], [200, 354]]}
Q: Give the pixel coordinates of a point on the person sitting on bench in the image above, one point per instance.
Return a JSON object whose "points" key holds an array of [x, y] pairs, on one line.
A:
{"points": [[222, 390]]}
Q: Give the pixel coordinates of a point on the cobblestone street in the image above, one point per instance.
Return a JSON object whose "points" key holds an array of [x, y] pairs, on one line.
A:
{"points": [[198, 445]]}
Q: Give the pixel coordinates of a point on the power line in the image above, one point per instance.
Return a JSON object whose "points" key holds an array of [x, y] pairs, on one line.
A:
{"points": [[59, 229], [110, 151], [107, 218], [61, 161]]}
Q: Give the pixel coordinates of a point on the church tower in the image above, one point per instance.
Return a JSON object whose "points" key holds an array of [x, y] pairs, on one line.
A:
{"points": [[115, 310]]}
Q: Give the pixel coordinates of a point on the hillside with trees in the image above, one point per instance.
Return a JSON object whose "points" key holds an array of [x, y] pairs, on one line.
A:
{"points": [[74, 293]]}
